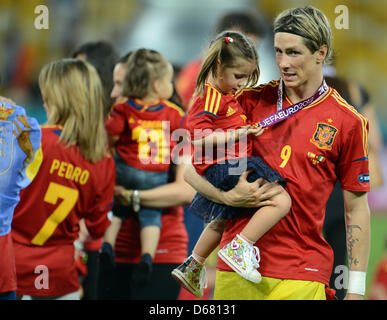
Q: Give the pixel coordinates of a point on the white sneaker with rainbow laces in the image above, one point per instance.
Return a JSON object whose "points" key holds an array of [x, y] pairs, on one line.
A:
{"points": [[243, 258]]}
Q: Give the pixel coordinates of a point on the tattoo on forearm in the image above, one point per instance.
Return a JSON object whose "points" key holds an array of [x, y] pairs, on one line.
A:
{"points": [[351, 240]]}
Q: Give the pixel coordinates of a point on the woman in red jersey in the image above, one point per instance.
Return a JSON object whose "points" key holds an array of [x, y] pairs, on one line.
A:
{"points": [[143, 124], [173, 242], [322, 141], [75, 180], [102, 56]]}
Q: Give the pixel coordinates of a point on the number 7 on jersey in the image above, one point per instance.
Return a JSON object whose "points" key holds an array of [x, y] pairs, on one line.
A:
{"points": [[54, 192]]}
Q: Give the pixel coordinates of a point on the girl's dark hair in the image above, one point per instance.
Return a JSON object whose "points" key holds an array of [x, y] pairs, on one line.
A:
{"points": [[224, 53], [144, 66]]}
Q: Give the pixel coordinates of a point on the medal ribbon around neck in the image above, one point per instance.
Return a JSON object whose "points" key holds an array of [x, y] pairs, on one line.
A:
{"points": [[283, 114]]}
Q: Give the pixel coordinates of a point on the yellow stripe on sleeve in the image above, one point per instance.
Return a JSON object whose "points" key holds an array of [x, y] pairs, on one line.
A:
{"points": [[214, 95], [207, 98], [256, 89], [363, 119], [217, 103]]}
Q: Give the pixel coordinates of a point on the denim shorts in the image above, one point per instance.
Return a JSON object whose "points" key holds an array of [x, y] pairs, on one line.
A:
{"points": [[225, 177], [133, 178]]}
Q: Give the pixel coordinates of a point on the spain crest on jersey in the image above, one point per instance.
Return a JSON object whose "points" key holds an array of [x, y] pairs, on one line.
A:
{"points": [[324, 136], [6, 145]]}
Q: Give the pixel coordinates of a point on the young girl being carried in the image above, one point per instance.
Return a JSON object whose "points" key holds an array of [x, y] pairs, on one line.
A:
{"points": [[219, 128], [142, 124]]}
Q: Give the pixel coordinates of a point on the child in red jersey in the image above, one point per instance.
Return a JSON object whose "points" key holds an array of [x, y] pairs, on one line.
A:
{"points": [[142, 124], [74, 180], [230, 64]]}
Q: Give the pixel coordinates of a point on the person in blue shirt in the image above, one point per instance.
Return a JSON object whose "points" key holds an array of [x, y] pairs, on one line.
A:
{"points": [[20, 138]]}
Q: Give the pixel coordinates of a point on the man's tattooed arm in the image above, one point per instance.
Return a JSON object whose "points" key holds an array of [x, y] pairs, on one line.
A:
{"points": [[357, 218], [351, 242]]}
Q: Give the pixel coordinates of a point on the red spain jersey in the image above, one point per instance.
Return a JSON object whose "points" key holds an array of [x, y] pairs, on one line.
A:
{"points": [[145, 132], [323, 143], [173, 242], [210, 112], [66, 189]]}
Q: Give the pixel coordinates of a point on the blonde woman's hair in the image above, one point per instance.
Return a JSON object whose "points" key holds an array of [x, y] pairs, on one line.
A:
{"points": [[144, 66], [309, 23], [73, 94], [224, 53]]}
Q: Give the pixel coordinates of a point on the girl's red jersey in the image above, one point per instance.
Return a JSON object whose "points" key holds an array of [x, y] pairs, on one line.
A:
{"points": [[145, 132], [66, 189], [210, 112]]}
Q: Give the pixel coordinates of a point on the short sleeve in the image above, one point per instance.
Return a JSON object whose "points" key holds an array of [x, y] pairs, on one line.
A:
{"points": [[248, 99], [204, 112], [353, 170]]}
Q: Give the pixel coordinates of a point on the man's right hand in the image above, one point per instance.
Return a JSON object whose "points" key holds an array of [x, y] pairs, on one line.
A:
{"points": [[251, 194]]}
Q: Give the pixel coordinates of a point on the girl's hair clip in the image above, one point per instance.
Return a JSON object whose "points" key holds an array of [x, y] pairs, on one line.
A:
{"points": [[228, 39]]}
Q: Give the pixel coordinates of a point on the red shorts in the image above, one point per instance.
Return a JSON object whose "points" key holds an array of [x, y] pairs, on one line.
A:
{"points": [[7, 264], [46, 271]]}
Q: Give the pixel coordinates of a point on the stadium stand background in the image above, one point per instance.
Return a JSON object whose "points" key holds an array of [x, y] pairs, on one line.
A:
{"points": [[180, 29]]}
